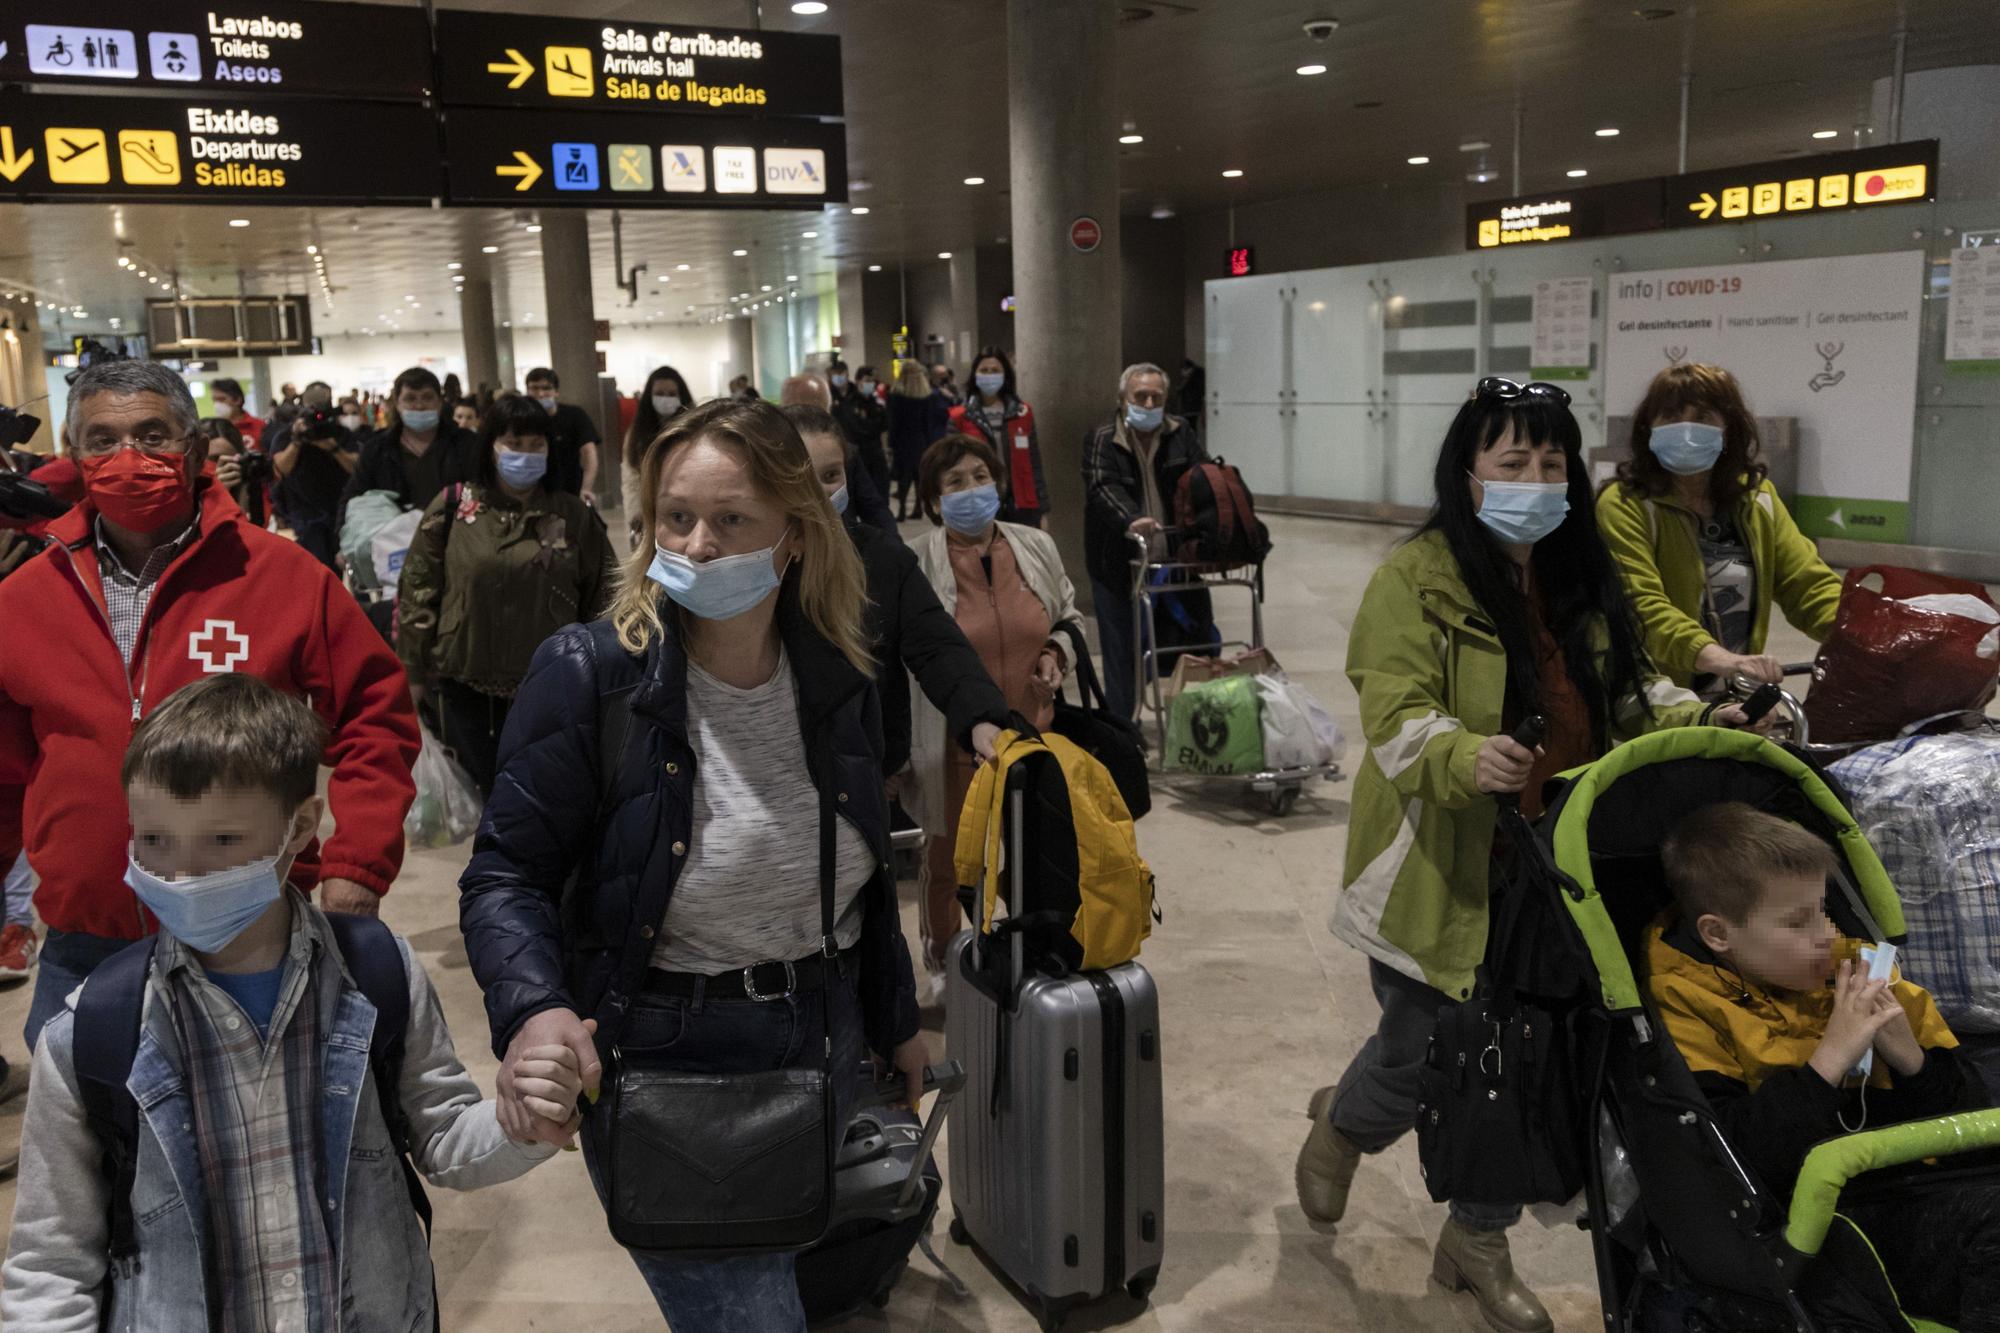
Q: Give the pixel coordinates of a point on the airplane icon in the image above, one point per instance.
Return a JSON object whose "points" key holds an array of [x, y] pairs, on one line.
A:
{"points": [[569, 70], [71, 149], [77, 156]]}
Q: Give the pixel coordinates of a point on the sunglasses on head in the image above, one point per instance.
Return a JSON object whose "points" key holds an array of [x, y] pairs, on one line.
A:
{"points": [[1506, 390]]}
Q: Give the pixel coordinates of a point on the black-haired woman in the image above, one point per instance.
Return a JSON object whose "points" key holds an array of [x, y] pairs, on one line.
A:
{"points": [[1505, 605], [497, 565], [665, 397], [994, 412]]}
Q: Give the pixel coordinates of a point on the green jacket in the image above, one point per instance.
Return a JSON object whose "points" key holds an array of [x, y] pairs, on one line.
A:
{"points": [[488, 578], [1656, 544], [1433, 679]]}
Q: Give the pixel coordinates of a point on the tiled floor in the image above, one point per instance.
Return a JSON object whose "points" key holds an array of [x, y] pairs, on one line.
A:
{"points": [[1261, 1006]]}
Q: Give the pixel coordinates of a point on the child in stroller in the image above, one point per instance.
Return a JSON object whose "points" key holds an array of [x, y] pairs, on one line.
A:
{"points": [[1738, 972]]}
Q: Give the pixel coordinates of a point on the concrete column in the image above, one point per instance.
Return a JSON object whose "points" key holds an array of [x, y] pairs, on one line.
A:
{"points": [[1960, 108], [482, 345], [261, 392], [743, 355], [572, 317], [853, 317], [1063, 153], [503, 357], [962, 339], [27, 323]]}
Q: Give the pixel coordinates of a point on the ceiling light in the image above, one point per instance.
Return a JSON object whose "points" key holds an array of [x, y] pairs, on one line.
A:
{"points": [[804, 235], [1608, 132], [1577, 173], [861, 212], [1474, 146], [1826, 134], [532, 227], [944, 254], [809, 7], [489, 249], [1419, 161], [765, 288], [239, 222], [310, 249], [874, 268], [1131, 138], [1161, 212], [123, 262], [454, 265], [1310, 70], [975, 180], [739, 253], [666, 277], [791, 277], [1232, 173], [143, 273], [408, 297]]}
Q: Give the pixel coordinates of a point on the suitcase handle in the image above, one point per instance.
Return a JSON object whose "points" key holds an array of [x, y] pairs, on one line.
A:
{"points": [[946, 1080]]}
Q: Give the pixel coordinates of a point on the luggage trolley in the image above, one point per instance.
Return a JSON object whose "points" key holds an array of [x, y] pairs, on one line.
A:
{"points": [[1281, 786]]}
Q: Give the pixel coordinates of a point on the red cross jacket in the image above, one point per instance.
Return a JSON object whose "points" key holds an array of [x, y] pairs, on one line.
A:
{"points": [[237, 598]]}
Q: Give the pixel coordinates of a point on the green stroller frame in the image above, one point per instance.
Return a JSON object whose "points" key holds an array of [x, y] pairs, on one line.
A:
{"points": [[1704, 1245]]}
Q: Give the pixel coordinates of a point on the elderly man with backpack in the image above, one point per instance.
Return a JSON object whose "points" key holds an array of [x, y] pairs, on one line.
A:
{"points": [[1132, 469]]}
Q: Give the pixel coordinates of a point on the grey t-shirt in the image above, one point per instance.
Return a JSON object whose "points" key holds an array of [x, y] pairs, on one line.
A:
{"points": [[748, 892], [1732, 583]]}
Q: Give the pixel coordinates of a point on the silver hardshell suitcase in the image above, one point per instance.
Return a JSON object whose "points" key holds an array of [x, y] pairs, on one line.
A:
{"points": [[1058, 1164]]}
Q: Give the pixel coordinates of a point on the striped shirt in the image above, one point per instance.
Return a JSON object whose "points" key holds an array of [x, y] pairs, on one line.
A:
{"points": [[128, 594], [256, 1124]]}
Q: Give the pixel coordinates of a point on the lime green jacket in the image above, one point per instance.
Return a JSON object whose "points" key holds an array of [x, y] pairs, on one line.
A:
{"points": [[1656, 544], [1433, 679]]}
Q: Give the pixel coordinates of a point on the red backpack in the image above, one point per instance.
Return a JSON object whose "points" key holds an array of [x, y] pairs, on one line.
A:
{"points": [[1216, 524]]}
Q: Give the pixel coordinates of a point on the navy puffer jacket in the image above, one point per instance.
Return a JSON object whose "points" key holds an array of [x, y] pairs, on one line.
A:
{"points": [[539, 941]]}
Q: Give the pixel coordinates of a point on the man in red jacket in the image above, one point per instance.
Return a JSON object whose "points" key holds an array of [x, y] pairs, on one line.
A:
{"points": [[152, 581]]}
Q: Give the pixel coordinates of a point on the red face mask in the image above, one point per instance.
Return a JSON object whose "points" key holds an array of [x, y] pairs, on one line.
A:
{"points": [[137, 490]]}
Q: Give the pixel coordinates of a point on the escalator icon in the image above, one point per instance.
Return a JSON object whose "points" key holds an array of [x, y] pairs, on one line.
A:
{"points": [[149, 157]]}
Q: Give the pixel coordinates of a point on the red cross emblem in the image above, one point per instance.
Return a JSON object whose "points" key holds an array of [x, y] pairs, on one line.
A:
{"points": [[218, 647]]}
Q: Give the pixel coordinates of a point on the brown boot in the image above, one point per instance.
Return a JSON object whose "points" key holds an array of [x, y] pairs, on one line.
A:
{"points": [[1326, 1164], [1479, 1262]]}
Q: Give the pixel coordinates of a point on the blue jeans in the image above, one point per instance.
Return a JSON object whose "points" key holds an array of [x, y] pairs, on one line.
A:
{"points": [[1114, 639], [757, 1291], [20, 893], [66, 958]]}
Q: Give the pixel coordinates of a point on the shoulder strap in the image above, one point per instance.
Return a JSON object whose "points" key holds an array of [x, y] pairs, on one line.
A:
{"points": [[105, 1038], [374, 960]]}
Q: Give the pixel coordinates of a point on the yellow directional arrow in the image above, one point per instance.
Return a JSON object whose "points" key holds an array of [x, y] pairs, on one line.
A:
{"points": [[10, 166], [515, 64], [529, 171], [1703, 206]]}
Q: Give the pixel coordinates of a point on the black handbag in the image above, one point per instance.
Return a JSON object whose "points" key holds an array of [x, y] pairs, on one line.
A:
{"points": [[1499, 1119], [716, 1164], [1113, 741]]}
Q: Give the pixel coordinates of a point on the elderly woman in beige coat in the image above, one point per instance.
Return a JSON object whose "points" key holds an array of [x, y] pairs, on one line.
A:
{"points": [[1005, 586]]}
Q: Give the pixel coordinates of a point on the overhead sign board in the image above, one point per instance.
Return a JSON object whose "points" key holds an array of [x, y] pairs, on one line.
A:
{"points": [[292, 46], [1788, 187], [583, 64], [220, 150], [509, 157]]}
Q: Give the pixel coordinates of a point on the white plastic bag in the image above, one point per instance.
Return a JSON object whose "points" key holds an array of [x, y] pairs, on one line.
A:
{"points": [[391, 543], [1298, 733], [447, 807]]}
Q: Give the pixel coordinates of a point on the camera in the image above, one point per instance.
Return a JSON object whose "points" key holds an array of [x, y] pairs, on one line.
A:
{"points": [[22, 500], [1321, 30], [318, 423], [91, 352], [256, 468]]}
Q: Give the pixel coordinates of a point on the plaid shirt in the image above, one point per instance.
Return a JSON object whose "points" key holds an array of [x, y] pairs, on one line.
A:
{"points": [[256, 1123], [126, 594]]}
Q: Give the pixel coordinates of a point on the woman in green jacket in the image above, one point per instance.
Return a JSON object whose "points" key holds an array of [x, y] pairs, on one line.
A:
{"points": [[1705, 546], [497, 565], [1504, 606]]}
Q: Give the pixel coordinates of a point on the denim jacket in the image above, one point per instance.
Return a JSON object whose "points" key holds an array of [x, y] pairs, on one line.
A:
{"points": [[57, 1273]]}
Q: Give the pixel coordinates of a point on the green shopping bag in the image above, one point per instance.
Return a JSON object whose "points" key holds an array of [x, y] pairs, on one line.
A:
{"points": [[1214, 727]]}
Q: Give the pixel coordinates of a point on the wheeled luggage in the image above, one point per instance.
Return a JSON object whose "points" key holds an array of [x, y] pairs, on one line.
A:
{"points": [[1058, 1171], [885, 1193]]}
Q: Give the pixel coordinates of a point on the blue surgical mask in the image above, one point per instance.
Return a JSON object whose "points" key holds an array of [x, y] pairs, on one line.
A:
{"points": [[989, 384], [520, 470], [867, 387], [666, 404], [719, 589], [421, 421], [548, 402], [839, 499], [969, 513], [839, 381], [206, 912], [1687, 448], [1144, 418], [1523, 512]]}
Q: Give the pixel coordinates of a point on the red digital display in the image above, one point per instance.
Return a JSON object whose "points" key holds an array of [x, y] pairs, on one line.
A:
{"points": [[1242, 261]]}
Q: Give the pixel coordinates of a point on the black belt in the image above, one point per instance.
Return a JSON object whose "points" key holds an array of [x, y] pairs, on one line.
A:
{"points": [[764, 981]]}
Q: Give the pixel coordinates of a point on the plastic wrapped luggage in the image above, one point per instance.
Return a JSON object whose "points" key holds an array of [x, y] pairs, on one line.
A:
{"points": [[1058, 1168]]}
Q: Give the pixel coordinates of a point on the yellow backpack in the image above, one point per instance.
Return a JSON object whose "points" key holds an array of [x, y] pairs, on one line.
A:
{"points": [[1091, 895]]}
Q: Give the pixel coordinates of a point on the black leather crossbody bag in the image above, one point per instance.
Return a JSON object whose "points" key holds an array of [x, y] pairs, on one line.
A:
{"points": [[727, 1163]]}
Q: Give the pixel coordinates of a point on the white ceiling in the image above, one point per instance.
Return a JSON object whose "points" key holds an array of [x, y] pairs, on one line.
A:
{"points": [[1209, 83]]}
